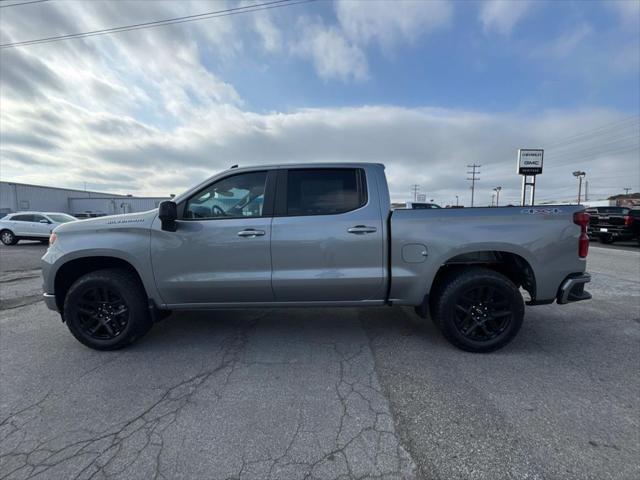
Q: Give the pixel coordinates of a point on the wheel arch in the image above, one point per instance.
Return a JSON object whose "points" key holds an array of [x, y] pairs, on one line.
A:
{"points": [[510, 264], [73, 269]]}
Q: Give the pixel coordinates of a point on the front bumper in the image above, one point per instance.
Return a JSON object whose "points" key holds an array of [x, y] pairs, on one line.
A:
{"points": [[50, 301], [572, 288]]}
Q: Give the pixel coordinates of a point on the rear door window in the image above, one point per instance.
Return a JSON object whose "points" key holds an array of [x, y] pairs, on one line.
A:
{"points": [[325, 191], [22, 218]]}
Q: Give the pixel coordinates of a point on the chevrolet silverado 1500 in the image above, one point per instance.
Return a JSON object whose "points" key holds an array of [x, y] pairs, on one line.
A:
{"points": [[314, 235]]}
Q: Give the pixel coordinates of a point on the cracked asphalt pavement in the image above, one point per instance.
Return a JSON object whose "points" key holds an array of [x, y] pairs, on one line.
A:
{"points": [[323, 393]]}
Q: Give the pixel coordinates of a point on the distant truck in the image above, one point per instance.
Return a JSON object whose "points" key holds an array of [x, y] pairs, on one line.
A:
{"points": [[609, 224], [314, 236], [421, 205]]}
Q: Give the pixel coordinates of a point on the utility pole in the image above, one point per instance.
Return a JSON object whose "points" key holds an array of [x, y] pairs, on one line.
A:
{"points": [[626, 190], [586, 190], [497, 190], [579, 175], [415, 188], [474, 178]]}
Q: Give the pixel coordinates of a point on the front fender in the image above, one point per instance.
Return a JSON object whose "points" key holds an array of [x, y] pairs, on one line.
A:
{"points": [[130, 245]]}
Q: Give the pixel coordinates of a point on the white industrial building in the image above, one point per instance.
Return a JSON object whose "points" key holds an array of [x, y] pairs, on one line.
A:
{"points": [[15, 197]]}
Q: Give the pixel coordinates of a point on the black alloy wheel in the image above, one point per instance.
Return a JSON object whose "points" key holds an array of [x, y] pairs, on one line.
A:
{"points": [[477, 309], [107, 309], [482, 313], [102, 313]]}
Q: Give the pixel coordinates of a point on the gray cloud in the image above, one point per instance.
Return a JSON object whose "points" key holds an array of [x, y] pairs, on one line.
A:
{"points": [[26, 139], [24, 75]]}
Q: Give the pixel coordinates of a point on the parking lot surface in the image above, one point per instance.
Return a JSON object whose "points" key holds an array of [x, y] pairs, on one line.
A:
{"points": [[323, 393]]}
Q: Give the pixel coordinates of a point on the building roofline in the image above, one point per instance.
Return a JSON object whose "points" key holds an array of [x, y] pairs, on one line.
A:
{"points": [[63, 188]]}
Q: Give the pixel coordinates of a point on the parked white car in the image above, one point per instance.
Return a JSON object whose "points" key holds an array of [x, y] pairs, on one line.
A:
{"points": [[31, 226]]}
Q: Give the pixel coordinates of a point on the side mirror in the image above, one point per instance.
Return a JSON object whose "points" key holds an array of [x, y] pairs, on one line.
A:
{"points": [[168, 213]]}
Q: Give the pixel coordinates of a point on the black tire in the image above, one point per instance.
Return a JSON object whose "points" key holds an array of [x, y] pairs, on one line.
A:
{"points": [[477, 309], [606, 239], [107, 309], [8, 238]]}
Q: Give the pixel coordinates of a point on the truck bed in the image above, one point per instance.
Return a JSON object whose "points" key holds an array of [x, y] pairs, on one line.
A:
{"points": [[422, 241]]}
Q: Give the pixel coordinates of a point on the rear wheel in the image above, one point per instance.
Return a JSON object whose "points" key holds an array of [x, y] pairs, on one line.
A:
{"points": [[106, 309], [8, 238], [478, 310]]}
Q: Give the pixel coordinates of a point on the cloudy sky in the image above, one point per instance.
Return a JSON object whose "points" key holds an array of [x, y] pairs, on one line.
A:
{"points": [[425, 87]]}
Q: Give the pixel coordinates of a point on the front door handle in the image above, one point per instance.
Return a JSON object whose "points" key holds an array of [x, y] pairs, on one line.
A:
{"points": [[251, 233], [359, 229]]}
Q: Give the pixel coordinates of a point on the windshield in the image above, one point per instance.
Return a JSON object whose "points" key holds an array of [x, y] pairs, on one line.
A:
{"points": [[60, 217]]}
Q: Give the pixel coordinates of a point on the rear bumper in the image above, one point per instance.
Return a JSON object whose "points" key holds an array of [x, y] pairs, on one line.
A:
{"points": [[572, 288], [616, 232], [50, 301]]}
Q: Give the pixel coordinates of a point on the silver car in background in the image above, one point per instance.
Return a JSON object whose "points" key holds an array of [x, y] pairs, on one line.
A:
{"points": [[31, 226]]}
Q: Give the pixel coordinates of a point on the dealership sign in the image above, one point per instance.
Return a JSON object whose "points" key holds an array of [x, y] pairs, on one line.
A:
{"points": [[530, 161]]}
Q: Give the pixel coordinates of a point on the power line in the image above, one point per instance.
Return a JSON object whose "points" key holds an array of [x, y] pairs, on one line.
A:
{"points": [[160, 23], [607, 126], [474, 178], [22, 3], [578, 156]]}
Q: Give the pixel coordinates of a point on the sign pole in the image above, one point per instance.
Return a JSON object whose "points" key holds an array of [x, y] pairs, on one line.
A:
{"points": [[533, 191], [529, 166]]}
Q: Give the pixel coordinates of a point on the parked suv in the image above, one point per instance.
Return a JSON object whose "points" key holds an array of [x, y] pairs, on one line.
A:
{"points": [[609, 224], [30, 226]]}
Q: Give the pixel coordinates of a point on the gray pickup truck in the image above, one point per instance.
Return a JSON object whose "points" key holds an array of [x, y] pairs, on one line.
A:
{"points": [[314, 235]]}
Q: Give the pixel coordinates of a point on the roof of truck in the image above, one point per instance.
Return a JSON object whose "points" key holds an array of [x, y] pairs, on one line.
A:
{"points": [[308, 165], [280, 165]]}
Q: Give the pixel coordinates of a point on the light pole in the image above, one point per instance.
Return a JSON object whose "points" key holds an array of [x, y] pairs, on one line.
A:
{"points": [[497, 190], [456, 200], [493, 198], [579, 175]]}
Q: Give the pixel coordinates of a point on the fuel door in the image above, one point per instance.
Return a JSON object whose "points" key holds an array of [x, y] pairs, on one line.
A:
{"points": [[414, 253]]}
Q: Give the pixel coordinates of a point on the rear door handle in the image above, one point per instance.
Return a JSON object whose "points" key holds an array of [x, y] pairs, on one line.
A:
{"points": [[251, 233], [358, 229]]}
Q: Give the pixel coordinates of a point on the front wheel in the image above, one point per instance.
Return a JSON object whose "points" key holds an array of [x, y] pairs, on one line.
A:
{"points": [[8, 238], [478, 310], [107, 309]]}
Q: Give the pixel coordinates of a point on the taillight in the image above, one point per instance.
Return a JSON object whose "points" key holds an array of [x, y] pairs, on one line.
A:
{"points": [[582, 220], [52, 238], [628, 220]]}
